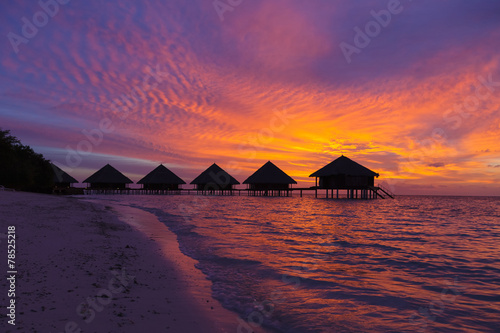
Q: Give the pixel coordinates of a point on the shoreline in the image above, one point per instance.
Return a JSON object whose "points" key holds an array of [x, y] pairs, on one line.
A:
{"points": [[103, 267], [188, 278]]}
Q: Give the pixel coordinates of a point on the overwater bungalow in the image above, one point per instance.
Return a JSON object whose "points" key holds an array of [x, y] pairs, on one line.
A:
{"points": [[61, 178], [269, 180], [108, 180], [63, 182], [215, 181], [161, 180], [345, 174]]}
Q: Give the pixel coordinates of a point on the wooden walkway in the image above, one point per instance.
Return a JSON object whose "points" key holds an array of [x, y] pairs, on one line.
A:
{"points": [[372, 192]]}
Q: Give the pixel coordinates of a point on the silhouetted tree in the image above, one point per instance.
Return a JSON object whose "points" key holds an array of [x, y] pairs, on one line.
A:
{"points": [[21, 168]]}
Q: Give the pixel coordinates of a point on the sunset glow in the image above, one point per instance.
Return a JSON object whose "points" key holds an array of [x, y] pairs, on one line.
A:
{"points": [[186, 85]]}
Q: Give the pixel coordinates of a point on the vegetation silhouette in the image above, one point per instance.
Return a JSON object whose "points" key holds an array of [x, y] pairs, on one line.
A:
{"points": [[21, 168]]}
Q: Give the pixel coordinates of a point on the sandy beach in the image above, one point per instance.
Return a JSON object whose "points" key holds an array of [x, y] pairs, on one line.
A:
{"points": [[97, 267]]}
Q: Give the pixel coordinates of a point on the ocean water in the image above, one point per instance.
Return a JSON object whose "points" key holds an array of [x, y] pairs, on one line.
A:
{"points": [[413, 264]]}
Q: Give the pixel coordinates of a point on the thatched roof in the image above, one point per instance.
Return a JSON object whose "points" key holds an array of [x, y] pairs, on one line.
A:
{"points": [[216, 175], [269, 174], [108, 175], [344, 166], [161, 175], [60, 176]]}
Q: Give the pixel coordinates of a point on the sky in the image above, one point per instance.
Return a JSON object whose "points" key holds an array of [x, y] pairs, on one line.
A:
{"points": [[409, 89]]}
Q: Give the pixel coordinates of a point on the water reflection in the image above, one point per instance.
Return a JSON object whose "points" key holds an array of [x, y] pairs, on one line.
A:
{"points": [[414, 264]]}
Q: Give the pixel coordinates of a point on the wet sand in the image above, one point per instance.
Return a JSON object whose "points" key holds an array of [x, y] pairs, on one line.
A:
{"points": [[101, 267]]}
